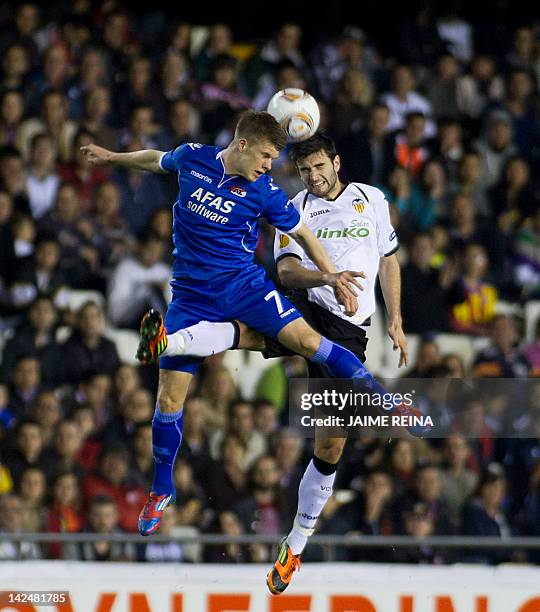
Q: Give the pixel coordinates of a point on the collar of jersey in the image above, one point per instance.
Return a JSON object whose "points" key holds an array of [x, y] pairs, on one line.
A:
{"points": [[331, 199], [230, 176]]}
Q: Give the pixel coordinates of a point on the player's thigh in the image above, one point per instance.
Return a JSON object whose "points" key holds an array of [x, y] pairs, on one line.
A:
{"points": [[299, 337], [250, 339], [329, 449], [253, 299], [172, 389]]}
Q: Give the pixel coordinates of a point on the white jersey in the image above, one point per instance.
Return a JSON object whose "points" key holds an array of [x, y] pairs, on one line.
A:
{"points": [[355, 231]]}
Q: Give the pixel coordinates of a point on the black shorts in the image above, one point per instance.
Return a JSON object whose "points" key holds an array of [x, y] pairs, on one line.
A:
{"points": [[327, 324]]}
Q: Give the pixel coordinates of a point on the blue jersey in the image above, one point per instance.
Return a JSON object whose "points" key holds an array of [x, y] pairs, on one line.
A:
{"points": [[215, 227]]}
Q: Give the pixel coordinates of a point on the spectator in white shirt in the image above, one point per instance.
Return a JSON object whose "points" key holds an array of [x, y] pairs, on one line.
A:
{"points": [[403, 99], [42, 181], [13, 512], [138, 283]]}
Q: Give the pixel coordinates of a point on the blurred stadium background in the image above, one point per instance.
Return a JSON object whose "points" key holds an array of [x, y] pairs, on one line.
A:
{"points": [[439, 107]]}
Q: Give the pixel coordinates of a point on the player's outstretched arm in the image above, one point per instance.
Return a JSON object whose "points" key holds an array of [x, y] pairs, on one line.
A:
{"points": [[293, 275], [341, 282], [390, 279], [147, 159]]}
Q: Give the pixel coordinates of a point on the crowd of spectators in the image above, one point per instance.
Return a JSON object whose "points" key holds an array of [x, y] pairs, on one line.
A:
{"points": [[451, 135]]}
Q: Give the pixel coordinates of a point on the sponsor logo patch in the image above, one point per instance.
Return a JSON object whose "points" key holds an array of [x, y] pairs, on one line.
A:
{"points": [[318, 212], [241, 193], [284, 241], [353, 231]]}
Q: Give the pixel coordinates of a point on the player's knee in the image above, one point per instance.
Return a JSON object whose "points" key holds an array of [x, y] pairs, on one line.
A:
{"points": [[167, 403], [309, 342], [329, 449], [250, 339]]}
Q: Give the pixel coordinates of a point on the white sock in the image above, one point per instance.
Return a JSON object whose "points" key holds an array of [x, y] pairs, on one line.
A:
{"points": [[203, 339], [314, 491]]}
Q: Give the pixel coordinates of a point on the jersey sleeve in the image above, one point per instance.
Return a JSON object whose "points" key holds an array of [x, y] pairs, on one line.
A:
{"points": [[172, 160], [284, 245], [280, 211], [387, 241]]}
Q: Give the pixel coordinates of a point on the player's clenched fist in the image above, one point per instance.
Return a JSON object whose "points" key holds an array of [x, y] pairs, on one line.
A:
{"points": [[97, 156]]}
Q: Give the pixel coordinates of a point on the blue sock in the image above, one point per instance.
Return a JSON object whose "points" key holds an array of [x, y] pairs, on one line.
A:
{"points": [[342, 363], [166, 440]]}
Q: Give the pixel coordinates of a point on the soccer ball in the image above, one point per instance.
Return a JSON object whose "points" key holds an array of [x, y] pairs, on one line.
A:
{"points": [[296, 111]]}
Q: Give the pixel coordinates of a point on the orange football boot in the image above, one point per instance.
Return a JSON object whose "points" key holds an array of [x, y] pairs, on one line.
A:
{"points": [[153, 337], [280, 575]]}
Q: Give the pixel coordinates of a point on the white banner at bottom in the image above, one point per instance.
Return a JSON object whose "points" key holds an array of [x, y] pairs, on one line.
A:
{"points": [[330, 587]]}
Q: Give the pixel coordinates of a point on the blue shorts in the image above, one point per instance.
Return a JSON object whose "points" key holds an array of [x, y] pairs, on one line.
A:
{"points": [[248, 296]]}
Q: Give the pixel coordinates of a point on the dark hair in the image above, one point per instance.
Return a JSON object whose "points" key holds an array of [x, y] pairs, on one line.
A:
{"points": [[378, 470], [285, 64], [51, 93], [12, 90], [238, 402], [80, 133], [232, 436], [378, 104], [102, 500], [260, 403], [261, 126], [45, 238], [319, 142], [426, 465], [421, 234], [414, 115], [182, 99], [437, 371], [25, 423], [141, 425], [224, 60], [8, 152], [89, 304], [25, 357], [493, 472], [40, 297], [448, 121], [118, 449], [146, 235], [139, 106]]}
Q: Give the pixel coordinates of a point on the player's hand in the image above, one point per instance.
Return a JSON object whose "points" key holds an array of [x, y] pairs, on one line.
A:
{"points": [[395, 331], [343, 281], [96, 156], [347, 300]]}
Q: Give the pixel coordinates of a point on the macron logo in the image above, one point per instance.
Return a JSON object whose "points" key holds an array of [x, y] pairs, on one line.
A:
{"points": [[201, 176]]}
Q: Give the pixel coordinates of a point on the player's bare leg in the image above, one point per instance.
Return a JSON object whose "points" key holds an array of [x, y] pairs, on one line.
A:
{"points": [[328, 449], [250, 339], [166, 439], [299, 337]]}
